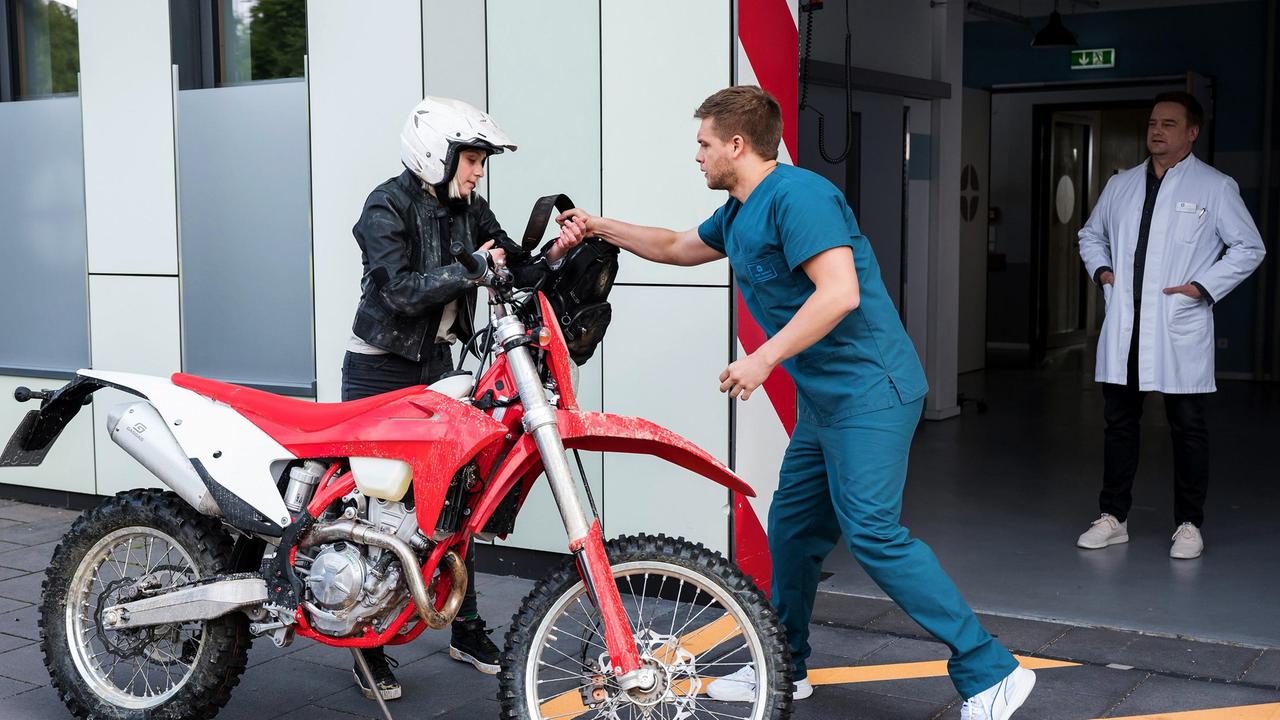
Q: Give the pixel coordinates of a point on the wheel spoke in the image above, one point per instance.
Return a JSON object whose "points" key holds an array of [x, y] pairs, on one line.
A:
{"points": [[135, 668], [705, 617]]}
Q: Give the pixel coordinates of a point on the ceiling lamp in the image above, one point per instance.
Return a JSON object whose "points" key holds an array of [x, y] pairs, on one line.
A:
{"points": [[1055, 34]]}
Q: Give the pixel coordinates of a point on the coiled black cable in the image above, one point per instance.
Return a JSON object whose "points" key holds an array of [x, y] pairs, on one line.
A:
{"points": [[848, 87]]}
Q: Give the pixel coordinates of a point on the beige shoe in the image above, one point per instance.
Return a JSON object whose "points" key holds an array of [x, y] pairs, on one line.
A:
{"points": [[1187, 543], [1104, 531]]}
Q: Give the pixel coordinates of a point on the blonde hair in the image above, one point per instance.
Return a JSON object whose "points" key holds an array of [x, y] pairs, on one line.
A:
{"points": [[455, 189]]}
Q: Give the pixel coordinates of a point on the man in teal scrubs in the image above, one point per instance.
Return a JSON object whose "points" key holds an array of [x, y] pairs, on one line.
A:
{"points": [[811, 281]]}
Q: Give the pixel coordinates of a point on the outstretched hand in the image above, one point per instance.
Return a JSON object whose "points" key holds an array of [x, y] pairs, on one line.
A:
{"points": [[572, 232], [578, 214]]}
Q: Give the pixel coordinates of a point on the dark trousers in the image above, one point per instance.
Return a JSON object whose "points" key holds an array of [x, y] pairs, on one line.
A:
{"points": [[1190, 431], [367, 375]]}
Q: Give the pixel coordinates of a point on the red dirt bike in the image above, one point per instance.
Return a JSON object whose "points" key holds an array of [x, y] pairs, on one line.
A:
{"points": [[347, 523]]}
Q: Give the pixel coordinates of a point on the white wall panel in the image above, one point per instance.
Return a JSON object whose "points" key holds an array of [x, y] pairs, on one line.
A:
{"points": [[761, 444], [69, 465], [539, 526], [453, 49], [661, 60], [545, 93], [126, 94], [365, 72], [666, 349], [134, 327]]}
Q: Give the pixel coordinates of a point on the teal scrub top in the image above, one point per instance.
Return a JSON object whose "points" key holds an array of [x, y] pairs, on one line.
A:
{"points": [[867, 362]]}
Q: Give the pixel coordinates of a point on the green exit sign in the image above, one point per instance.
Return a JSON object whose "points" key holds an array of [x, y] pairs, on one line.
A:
{"points": [[1093, 59]]}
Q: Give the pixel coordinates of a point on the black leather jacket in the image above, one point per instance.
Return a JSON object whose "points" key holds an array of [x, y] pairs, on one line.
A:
{"points": [[409, 274]]}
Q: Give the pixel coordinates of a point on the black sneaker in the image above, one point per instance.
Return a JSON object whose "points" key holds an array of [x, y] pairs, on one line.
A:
{"points": [[380, 665], [471, 644]]}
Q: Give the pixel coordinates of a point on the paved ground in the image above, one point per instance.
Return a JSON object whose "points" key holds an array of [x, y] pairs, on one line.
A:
{"points": [[881, 666]]}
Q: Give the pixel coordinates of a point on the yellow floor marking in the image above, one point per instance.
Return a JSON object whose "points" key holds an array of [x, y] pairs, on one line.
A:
{"points": [[569, 704], [908, 671], [705, 637], [566, 704], [1270, 711]]}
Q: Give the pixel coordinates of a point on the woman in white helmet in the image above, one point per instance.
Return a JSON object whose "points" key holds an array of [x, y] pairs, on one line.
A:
{"points": [[416, 299]]}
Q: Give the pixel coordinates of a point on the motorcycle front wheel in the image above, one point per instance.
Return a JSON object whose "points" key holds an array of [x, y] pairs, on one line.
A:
{"points": [[696, 618]]}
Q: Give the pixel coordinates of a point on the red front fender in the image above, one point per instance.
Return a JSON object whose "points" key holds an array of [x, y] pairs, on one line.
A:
{"points": [[603, 432]]}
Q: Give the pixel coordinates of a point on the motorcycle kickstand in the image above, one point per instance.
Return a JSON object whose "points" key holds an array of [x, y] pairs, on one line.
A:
{"points": [[368, 677]]}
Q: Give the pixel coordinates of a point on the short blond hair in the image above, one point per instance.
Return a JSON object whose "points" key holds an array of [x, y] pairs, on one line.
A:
{"points": [[748, 111]]}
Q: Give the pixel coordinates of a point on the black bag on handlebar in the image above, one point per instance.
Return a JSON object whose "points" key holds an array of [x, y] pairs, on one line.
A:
{"points": [[578, 291]]}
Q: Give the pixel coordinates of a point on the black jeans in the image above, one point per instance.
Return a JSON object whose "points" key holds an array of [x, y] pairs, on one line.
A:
{"points": [[1190, 431], [366, 375]]}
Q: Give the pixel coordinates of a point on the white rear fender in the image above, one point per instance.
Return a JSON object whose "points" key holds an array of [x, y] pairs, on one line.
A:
{"points": [[229, 456]]}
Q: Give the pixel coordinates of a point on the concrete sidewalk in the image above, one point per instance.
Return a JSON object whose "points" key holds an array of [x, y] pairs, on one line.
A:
{"points": [[876, 661]]}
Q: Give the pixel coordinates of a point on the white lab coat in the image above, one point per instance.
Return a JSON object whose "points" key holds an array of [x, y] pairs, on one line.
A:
{"points": [[1198, 213]]}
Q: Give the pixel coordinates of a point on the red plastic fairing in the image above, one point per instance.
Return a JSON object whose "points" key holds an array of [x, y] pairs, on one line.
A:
{"points": [[497, 383], [435, 434], [558, 356], [603, 432], [301, 415], [751, 544]]}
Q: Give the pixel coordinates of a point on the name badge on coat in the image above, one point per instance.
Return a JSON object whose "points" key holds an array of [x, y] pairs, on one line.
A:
{"points": [[1186, 207]]}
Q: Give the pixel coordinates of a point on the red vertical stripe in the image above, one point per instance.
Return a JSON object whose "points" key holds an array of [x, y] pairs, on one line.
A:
{"points": [[771, 41], [751, 544]]}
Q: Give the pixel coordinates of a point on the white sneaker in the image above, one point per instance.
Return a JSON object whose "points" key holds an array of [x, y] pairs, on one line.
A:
{"points": [[1104, 531], [1187, 542], [741, 687], [999, 701]]}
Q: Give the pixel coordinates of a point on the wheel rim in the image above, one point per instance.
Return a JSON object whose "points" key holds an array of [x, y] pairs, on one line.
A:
{"points": [[688, 629], [134, 669]]}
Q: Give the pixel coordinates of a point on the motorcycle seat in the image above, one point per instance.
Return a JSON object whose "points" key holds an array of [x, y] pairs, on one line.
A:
{"points": [[305, 415]]}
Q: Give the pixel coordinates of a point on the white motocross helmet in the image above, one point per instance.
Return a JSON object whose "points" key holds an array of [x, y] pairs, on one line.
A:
{"points": [[438, 129]]}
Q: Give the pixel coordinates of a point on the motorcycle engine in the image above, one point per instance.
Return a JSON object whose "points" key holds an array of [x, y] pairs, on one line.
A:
{"points": [[349, 585], [336, 580]]}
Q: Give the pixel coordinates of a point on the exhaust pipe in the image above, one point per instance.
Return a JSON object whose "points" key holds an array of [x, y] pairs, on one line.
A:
{"points": [[140, 431], [424, 598]]}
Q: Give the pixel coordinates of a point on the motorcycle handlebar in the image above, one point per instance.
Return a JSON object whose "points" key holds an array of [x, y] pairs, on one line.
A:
{"points": [[476, 264]]}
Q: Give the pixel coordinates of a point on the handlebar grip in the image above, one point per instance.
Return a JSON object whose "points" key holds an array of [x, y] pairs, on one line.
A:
{"points": [[23, 393], [473, 263]]}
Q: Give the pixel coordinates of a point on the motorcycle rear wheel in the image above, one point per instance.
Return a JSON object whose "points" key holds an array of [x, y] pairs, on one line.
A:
{"points": [[175, 671]]}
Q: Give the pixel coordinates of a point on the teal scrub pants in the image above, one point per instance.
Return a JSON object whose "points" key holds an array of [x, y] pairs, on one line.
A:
{"points": [[848, 478]]}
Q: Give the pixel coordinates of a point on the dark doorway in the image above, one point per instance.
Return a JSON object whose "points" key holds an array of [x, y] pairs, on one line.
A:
{"points": [[1077, 149], [872, 173]]}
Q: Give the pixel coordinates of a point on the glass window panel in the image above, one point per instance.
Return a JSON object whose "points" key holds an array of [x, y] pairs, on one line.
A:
{"points": [[44, 48], [275, 39], [216, 43]]}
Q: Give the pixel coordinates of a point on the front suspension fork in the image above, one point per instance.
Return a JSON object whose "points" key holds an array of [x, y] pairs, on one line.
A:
{"points": [[585, 540], [619, 637]]}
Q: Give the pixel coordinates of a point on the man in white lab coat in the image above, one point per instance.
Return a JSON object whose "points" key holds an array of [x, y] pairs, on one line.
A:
{"points": [[1155, 244]]}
